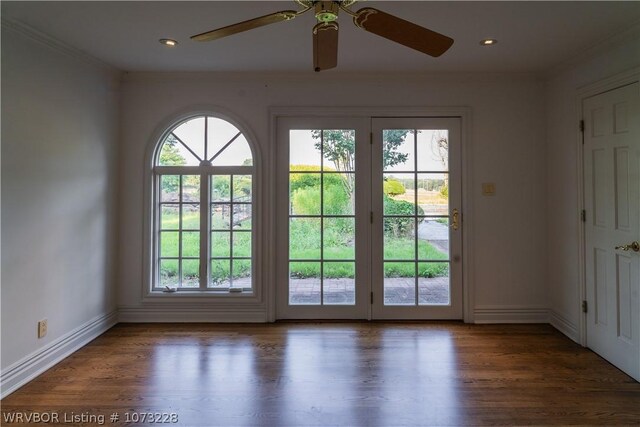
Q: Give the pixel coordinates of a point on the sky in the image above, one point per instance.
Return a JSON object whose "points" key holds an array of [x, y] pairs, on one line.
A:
{"points": [[303, 151]]}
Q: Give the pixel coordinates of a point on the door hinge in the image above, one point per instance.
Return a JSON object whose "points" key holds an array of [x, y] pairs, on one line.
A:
{"points": [[371, 138], [371, 217], [583, 215], [581, 125], [584, 306], [371, 297]]}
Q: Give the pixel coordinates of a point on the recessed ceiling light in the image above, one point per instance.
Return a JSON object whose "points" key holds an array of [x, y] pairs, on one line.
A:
{"points": [[168, 42], [488, 42]]}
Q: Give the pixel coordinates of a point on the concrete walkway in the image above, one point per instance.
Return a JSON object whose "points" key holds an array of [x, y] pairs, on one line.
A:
{"points": [[435, 233]]}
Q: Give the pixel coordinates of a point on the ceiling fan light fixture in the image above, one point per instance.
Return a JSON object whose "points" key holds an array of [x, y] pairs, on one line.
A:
{"points": [[327, 11], [488, 42], [168, 42]]}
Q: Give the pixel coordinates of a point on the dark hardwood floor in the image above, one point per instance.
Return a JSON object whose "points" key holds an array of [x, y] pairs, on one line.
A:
{"points": [[334, 374]]}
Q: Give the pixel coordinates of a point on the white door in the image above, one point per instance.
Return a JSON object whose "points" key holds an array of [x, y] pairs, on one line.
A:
{"points": [[612, 228], [417, 218], [323, 182], [369, 219]]}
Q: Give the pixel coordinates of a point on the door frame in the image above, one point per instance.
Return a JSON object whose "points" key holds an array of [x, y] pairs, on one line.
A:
{"points": [[463, 113], [584, 92]]}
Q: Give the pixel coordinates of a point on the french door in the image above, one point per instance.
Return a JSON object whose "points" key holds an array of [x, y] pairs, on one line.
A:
{"points": [[416, 248], [368, 218]]}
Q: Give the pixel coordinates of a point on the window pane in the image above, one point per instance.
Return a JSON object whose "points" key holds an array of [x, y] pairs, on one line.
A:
{"points": [[169, 273], [220, 244], [170, 188], [190, 244], [169, 219], [242, 244], [221, 216], [241, 273], [433, 239], [220, 270], [190, 273], [191, 133], [236, 154], [169, 242], [433, 283], [433, 150], [399, 194], [399, 283], [304, 194], [191, 217], [339, 285], [174, 153], [399, 238], [339, 147], [220, 188], [304, 283], [398, 150], [433, 193], [304, 150], [242, 216], [339, 238], [219, 133], [191, 188], [304, 238], [242, 188], [338, 194]]}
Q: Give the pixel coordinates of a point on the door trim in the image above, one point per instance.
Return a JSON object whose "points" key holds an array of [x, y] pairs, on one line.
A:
{"points": [[465, 116], [582, 93]]}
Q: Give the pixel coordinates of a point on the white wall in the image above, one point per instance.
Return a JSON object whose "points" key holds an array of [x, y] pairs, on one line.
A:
{"points": [[59, 177], [562, 109], [508, 148]]}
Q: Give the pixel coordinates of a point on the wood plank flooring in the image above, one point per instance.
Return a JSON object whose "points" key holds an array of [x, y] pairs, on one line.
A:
{"points": [[334, 374]]}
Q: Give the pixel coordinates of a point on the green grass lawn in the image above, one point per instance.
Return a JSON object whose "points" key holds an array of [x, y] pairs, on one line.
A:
{"points": [[305, 245]]}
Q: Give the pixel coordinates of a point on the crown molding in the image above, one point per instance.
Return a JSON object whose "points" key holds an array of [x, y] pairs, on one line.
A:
{"points": [[56, 45]]}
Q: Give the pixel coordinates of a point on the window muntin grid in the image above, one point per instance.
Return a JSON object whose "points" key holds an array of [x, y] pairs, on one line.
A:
{"points": [[316, 265], [425, 261], [193, 158]]}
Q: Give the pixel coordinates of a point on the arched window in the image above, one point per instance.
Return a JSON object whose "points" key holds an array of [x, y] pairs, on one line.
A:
{"points": [[202, 208]]}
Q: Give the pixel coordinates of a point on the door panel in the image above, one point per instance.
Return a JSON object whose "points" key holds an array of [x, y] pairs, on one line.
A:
{"points": [[324, 210], [612, 201], [416, 254]]}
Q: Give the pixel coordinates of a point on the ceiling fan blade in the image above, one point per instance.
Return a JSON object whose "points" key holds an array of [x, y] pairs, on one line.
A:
{"points": [[325, 46], [400, 31], [285, 15]]}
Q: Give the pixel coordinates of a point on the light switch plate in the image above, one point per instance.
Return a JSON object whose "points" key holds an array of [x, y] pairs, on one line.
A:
{"points": [[488, 188]]}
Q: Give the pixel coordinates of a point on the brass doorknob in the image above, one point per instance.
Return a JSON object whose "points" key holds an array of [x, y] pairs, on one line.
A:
{"points": [[633, 246]]}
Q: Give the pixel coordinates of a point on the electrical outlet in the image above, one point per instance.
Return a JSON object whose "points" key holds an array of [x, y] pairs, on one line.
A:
{"points": [[42, 328]]}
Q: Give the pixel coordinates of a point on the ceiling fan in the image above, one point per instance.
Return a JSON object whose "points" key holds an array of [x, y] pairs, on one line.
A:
{"points": [[325, 32]]}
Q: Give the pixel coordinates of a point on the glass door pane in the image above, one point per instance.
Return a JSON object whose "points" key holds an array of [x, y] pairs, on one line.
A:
{"points": [[415, 202], [321, 217], [416, 197]]}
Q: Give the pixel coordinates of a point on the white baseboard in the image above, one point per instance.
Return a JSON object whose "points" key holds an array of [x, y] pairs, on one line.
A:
{"points": [[158, 314], [510, 314], [29, 367], [564, 325]]}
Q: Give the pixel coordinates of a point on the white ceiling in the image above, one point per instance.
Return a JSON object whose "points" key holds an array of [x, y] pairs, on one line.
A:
{"points": [[533, 36]]}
